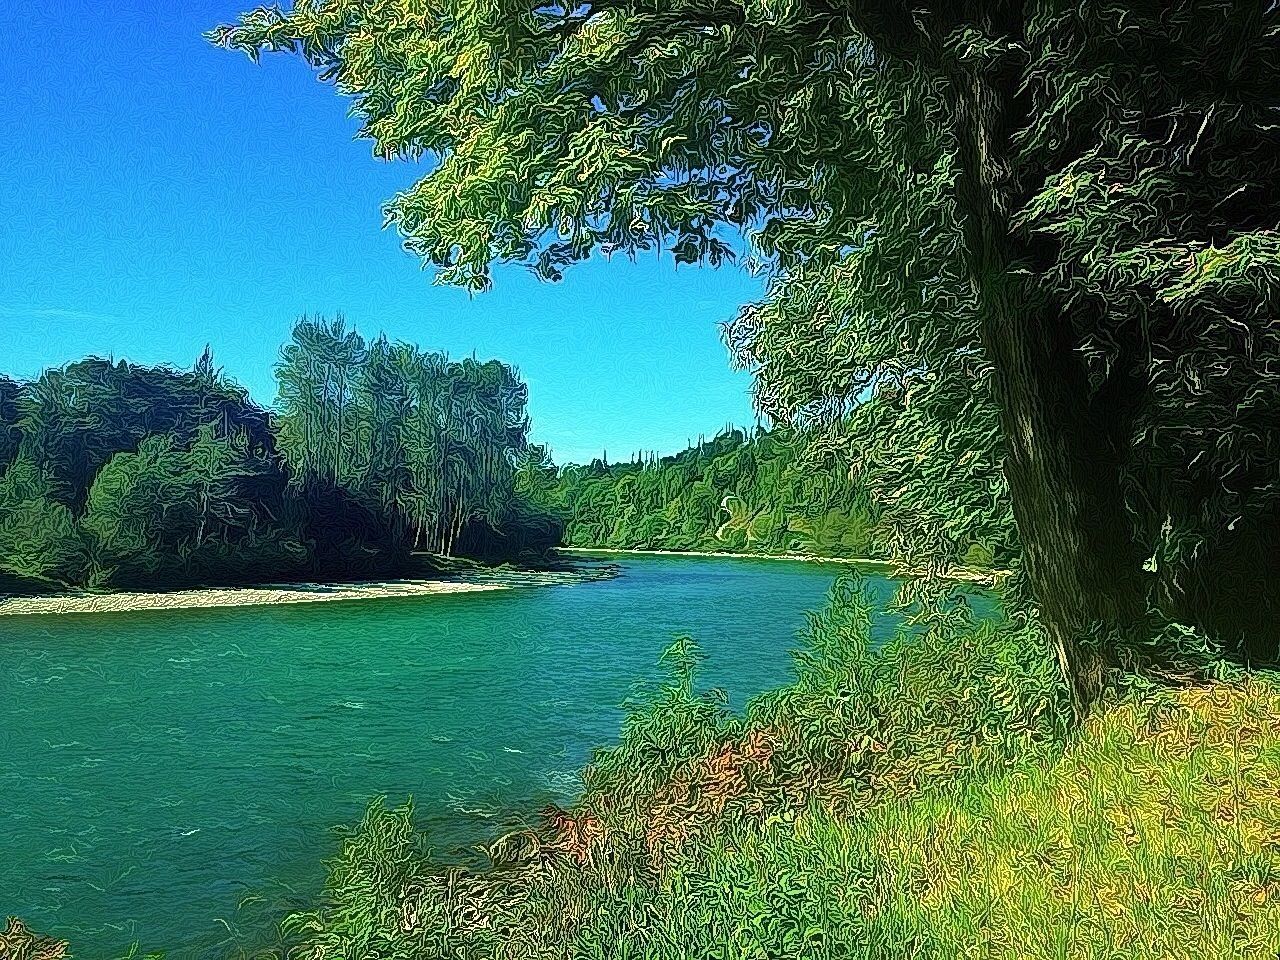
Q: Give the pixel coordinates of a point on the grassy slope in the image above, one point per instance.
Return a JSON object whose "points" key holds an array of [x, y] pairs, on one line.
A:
{"points": [[1155, 834]]}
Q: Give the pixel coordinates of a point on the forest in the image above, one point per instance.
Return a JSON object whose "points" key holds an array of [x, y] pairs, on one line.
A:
{"points": [[379, 459], [786, 490], [773, 492], [115, 475]]}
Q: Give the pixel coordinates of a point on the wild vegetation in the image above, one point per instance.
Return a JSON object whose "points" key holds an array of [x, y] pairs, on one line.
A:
{"points": [[1024, 267], [119, 475], [768, 493]]}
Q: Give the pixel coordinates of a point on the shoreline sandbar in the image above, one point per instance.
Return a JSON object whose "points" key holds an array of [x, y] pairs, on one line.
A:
{"points": [[204, 597]]}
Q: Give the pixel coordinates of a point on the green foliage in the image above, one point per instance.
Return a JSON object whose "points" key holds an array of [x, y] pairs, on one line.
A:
{"points": [[433, 444], [979, 556], [140, 503], [154, 478], [955, 699], [1038, 236], [39, 538], [776, 492], [674, 725], [1121, 844], [167, 516], [10, 415], [78, 417], [364, 895]]}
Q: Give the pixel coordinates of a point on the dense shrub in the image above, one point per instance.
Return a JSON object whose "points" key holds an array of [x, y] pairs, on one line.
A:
{"points": [[76, 418], [168, 516], [39, 538]]}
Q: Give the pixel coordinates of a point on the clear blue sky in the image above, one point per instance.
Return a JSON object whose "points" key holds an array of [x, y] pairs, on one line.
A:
{"points": [[157, 194]]}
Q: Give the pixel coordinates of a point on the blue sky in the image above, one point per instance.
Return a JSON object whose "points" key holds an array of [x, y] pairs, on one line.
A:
{"points": [[157, 194]]}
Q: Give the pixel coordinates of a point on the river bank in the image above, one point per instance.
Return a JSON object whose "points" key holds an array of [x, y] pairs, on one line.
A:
{"points": [[802, 557], [132, 601], [458, 578], [479, 579], [986, 578], [211, 753]]}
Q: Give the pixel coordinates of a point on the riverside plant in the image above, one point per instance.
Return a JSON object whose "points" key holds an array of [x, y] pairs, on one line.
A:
{"points": [[861, 725]]}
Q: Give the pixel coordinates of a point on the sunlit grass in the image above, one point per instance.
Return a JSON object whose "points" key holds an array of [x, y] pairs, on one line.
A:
{"points": [[1156, 833]]}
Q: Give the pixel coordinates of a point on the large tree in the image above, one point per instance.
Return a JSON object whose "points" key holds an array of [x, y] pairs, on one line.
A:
{"points": [[1069, 209], [432, 442]]}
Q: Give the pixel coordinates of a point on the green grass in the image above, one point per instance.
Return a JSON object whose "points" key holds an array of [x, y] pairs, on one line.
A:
{"points": [[1155, 833]]}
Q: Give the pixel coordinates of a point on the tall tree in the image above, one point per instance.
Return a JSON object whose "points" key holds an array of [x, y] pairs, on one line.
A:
{"points": [[318, 375], [10, 417], [1088, 190], [432, 442]]}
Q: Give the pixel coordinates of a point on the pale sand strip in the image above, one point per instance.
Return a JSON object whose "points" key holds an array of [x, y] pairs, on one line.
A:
{"points": [[235, 596]]}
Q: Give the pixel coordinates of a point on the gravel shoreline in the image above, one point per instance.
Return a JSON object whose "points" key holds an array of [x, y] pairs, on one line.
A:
{"points": [[126, 602]]}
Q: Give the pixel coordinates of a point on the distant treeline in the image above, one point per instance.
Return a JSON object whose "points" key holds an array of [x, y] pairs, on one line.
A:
{"points": [[773, 491], [119, 475]]}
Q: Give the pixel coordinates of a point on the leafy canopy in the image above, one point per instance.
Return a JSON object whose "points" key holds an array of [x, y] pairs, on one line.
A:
{"points": [[555, 131], [1129, 154]]}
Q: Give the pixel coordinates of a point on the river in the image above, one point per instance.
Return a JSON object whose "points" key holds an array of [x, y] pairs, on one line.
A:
{"points": [[174, 777]]}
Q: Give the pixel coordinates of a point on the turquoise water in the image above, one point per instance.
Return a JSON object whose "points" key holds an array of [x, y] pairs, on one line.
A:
{"points": [[174, 777]]}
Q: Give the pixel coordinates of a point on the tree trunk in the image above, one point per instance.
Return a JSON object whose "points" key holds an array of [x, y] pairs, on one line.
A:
{"points": [[204, 513], [1063, 455]]}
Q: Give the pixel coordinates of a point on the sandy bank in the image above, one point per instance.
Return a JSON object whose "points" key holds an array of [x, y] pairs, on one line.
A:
{"points": [[235, 596]]}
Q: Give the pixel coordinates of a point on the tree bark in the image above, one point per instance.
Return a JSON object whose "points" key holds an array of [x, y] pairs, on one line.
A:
{"points": [[1064, 454]]}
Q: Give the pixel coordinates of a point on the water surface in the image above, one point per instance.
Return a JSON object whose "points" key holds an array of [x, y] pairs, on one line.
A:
{"points": [[174, 777]]}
